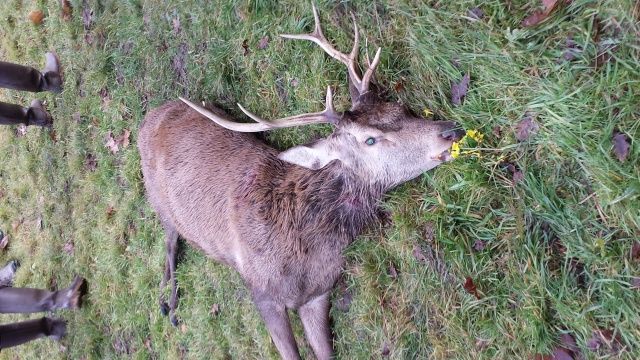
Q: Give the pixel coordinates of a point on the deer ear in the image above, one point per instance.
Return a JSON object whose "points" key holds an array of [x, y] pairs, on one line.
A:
{"points": [[312, 156]]}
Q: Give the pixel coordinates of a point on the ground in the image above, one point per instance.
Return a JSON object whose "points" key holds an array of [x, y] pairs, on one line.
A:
{"points": [[525, 244]]}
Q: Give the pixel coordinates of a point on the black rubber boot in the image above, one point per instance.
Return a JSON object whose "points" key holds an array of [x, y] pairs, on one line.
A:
{"points": [[35, 114], [25, 300], [25, 78], [24, 331]]}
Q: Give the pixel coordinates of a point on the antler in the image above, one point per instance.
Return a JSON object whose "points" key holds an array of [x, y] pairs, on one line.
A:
{"points": [[328, 115], [361, 83]]}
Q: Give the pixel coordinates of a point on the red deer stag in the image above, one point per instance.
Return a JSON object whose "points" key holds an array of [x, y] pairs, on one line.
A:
{"points": [[282, 219]]}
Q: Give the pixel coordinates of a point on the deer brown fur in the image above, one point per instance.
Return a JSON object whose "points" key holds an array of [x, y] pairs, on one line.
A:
{"points": [[282, 219]]}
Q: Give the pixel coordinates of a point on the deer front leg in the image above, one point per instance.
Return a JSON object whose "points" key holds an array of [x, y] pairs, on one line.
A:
{"points": [[277, 320], [315, 318], [171, 242]]}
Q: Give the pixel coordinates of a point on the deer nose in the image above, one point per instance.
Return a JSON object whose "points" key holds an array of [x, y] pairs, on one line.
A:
{"points": [[454, 134]]}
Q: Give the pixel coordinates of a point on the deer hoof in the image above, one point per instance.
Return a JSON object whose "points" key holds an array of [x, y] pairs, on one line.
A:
{"points": [[14, 265], [174, 321], [164, 309]]}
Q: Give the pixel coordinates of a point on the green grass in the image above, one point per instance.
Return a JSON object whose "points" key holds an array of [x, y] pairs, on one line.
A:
{"points": [[557, 255]]}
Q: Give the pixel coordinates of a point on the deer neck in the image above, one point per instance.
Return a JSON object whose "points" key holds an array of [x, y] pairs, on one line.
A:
{"points": [[326, 205]]}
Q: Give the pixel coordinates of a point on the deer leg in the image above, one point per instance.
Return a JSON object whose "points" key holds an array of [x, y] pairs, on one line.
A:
{"points": [[315, 318], [24, 300], [171, 242], [276, 318], [24, 331]]}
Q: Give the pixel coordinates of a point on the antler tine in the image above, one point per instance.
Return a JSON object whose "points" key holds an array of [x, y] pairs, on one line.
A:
{"points": [[328, 115], [366, 78], [350, 60], [231, 125]]}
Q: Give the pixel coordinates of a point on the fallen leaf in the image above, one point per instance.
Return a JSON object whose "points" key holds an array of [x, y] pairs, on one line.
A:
{"points": [[4, 242], [67, 10], [263, 43], [16, 224], [459, 90], [570, 51], [110, 212], [635, 249], [526, 126], [114, 144], [479, 245], [87, 18], [176, 24], [215, 309], [603, 55], [392, 270], [475, 13], [147, 344], [621, 145], [518, 175], [90, 162], [344, 303], [69, 248], [538, 15], [385, 350], [470, 288], [111, 144], [245, 47], [184, 328], [37, 17], [635, 282], [606, 341], [417, 252]]}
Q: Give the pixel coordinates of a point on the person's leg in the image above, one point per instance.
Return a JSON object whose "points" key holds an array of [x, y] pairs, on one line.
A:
{"points": [[24, 300], [25, 78], [11, 114], [24, 331]]}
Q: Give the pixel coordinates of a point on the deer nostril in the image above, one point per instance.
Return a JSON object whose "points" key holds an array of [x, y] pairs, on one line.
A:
{"points": [[454, 134]]}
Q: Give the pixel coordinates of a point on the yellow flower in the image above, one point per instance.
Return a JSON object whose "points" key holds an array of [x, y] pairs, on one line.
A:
{"points": [[456, 148], [427, 112]]}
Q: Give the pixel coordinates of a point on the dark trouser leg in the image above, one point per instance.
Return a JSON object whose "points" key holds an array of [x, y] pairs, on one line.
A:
{"points": [[23, 300], [24, 331], [11, 114], [25, 78]]}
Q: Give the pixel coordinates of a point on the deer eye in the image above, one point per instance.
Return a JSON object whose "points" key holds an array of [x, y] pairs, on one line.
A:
{"points": [[370, 141]]}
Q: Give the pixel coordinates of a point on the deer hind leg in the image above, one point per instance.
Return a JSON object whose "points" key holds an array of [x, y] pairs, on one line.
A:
{"points": [[315, 319], [171, 242], [276, 318]]}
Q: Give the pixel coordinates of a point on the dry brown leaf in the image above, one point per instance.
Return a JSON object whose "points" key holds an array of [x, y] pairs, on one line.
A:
{"points": [[526, 126], [538, 15], [264, 43], [4, 242], [459, 90], [87, 18], [184, 328], [470, 288], [215, 309], [90, 162], [621, 145], [16, 224], [245, 47], [69, 248], [37, 17], [67, 10]]}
